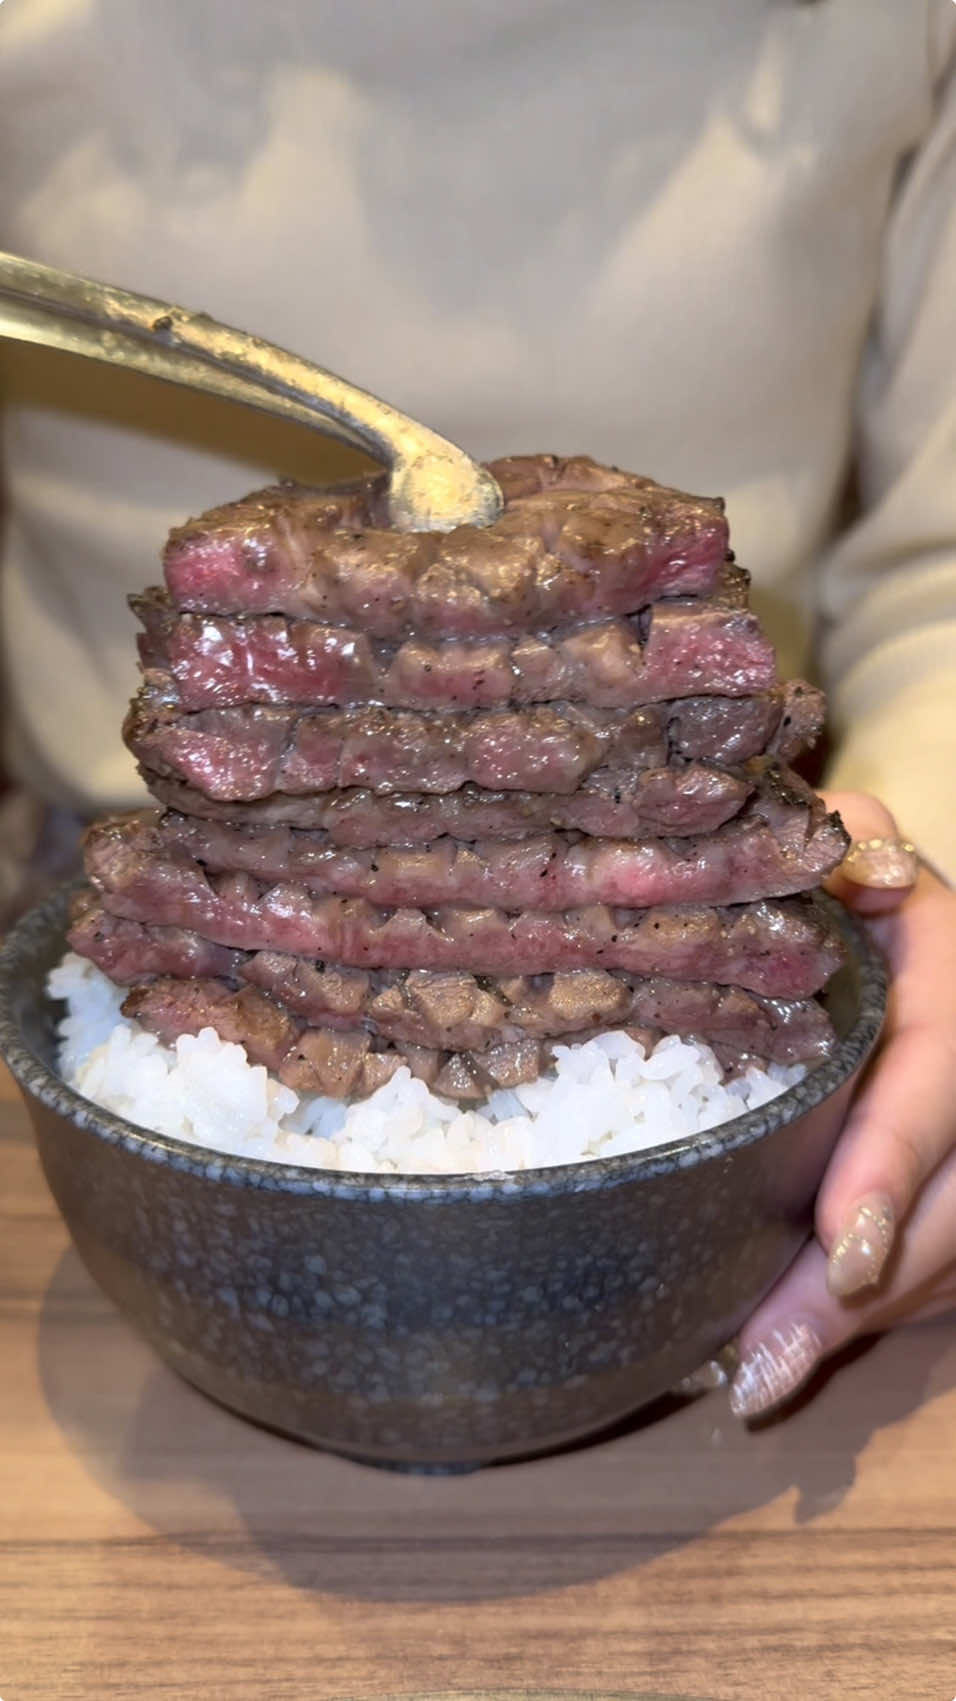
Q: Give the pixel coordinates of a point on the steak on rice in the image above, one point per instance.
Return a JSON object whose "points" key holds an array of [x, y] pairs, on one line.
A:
{"points": [[340, 1063], [445, 802]]}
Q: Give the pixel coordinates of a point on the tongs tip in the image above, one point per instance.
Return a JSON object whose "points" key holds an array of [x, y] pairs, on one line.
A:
{"points": [[437, 492], [433, 485]]}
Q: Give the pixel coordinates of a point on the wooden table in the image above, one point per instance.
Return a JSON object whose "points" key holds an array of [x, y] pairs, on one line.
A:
{"points": [[151, 1544]]}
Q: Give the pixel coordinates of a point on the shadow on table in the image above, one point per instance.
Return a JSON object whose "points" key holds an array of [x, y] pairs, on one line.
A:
{"points": [[212, 1483]]}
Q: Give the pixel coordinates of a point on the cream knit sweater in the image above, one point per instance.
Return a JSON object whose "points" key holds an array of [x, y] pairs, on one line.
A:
{"points": [[711, 240]]}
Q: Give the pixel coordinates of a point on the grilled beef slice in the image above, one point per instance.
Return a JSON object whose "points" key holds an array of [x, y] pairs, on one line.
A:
{"points": [[247, 753], [533, 475], [675, 649], [442, 1010], [781, 948], [588, 542], [353, 1063], [456, 1011], [747, 859], [683, 798], [128, 951]]}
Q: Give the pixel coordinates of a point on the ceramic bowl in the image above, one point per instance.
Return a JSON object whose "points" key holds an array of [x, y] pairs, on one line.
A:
{"points": [[439, 1321]]}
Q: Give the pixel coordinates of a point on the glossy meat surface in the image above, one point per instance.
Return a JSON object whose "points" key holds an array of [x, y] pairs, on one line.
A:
{"points": [[575, 541], [247, 753], [683, 647]]}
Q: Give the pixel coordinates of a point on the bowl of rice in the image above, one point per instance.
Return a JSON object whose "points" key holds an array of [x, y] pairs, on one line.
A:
{"points": [[403, 1281]]}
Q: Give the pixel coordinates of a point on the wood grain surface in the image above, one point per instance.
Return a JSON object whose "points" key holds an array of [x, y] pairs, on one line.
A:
{"points": [[154, 1545]]}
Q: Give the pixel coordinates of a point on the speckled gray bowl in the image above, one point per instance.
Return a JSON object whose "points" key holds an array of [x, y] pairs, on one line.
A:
{"points": [[435, 1320]]}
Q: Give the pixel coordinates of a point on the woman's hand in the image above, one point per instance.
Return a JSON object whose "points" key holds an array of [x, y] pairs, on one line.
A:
{"points": [[885, 1244]]}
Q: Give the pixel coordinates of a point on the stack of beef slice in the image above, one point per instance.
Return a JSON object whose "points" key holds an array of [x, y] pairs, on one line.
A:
{"points": [[447, 800]]}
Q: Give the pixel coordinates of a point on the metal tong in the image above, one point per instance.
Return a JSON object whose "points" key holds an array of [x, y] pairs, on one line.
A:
{"points": [[433, 485]]}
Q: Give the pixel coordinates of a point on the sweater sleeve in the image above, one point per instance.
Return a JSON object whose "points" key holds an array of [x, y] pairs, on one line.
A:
{"points": [[888, 588]]}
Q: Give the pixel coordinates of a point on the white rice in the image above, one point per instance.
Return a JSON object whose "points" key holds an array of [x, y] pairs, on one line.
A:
{"points": [[604, 1096]]}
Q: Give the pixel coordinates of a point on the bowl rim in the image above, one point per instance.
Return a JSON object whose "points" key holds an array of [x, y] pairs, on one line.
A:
{"points": [[45, 925]]}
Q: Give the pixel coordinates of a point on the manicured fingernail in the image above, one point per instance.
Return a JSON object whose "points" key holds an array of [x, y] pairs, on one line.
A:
{"points": [[775, 1368], [862, 1247], [891, 863]]}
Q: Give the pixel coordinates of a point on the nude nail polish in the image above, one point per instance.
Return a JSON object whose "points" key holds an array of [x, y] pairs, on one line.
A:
{"points": [[887, 863], [775, 1368], [860, 1251]]}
